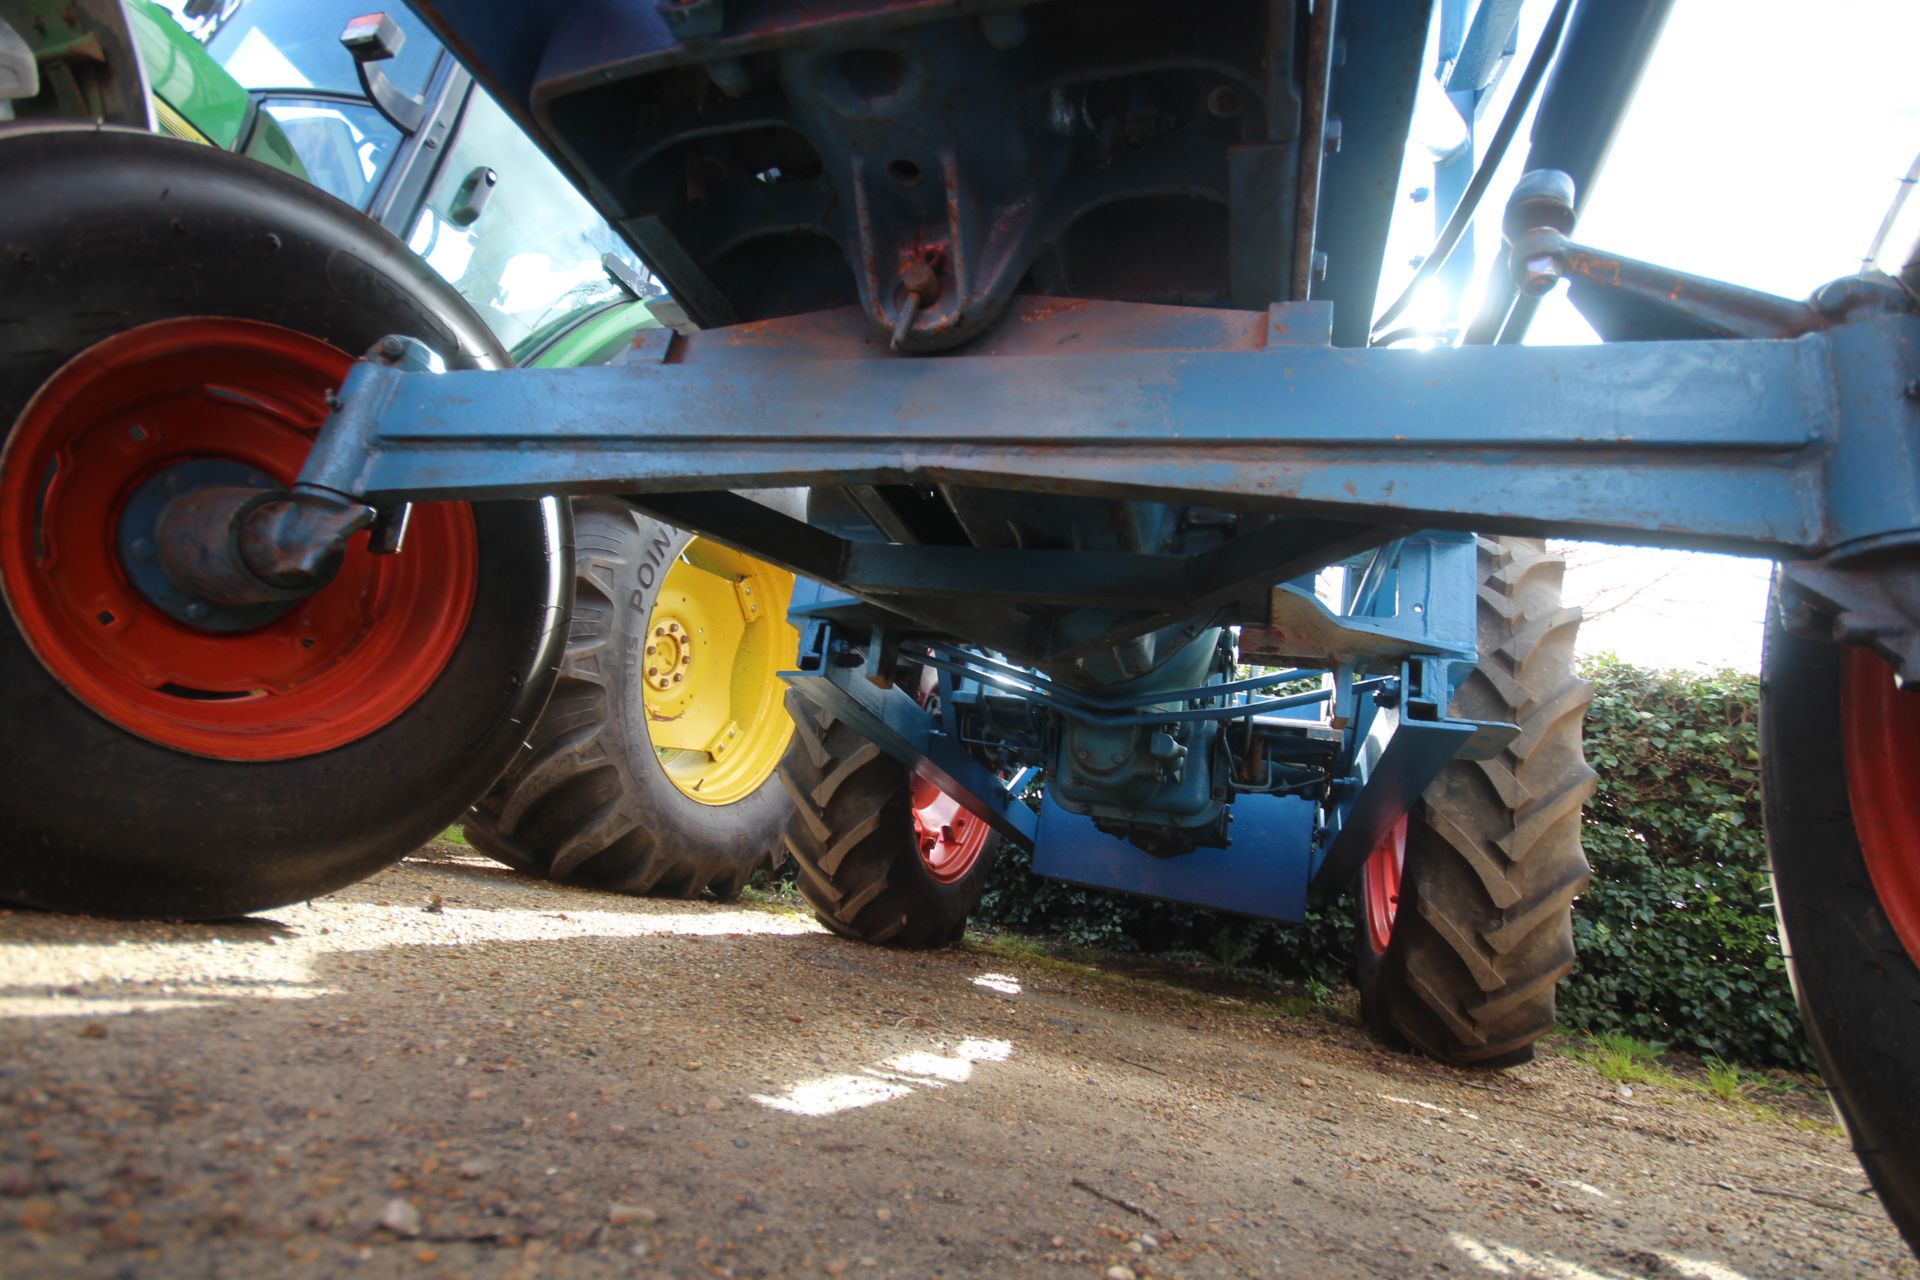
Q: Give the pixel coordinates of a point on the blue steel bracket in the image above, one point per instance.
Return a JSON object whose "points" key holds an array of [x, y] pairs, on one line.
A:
{"points": [[898, 726], [1263, 873], [1435, 576], [1403, 750]]}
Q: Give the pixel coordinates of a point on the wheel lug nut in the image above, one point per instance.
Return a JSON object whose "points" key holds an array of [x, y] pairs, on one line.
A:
{"points": [[678, 676], [650, 649], [653, 671]]}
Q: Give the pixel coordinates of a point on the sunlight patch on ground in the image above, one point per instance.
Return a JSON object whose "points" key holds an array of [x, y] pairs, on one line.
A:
{"points": [[152, 998], [282, 946], [1505, 1260], [898, 1077], [1434, 1107], [833, 1094], [1697, 1269], [283, 954], [1006, 984], [1498, 1259]]}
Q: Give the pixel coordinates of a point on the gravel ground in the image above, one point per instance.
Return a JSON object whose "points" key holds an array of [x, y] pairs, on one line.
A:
{"points": [[453, 1071]]}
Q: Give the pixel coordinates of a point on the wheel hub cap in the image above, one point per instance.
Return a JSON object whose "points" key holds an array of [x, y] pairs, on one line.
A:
{"points": [[669, 655], [1380, 886], [951, 838], [716, 643]]}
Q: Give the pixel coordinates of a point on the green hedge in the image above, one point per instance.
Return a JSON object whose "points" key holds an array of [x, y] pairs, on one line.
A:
{"points": [[1676, 937]]}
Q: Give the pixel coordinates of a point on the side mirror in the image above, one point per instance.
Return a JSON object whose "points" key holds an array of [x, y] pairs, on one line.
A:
{"points": [[470, 201]]}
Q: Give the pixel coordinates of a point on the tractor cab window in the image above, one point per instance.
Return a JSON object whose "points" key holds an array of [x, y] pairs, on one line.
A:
{"points": [[507, 229], [343, 145], [289, 56], [270, 44]]}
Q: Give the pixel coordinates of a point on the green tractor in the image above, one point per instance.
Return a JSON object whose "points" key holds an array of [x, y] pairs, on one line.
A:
{"points": [[406, 201]]}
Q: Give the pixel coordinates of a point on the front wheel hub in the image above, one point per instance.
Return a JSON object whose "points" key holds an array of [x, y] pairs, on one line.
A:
{"points": [[111, 452], [178, 545], [951, 837]]}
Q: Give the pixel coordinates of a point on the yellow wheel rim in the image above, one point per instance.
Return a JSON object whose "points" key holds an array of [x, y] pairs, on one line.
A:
{"points": [[709, 665]]}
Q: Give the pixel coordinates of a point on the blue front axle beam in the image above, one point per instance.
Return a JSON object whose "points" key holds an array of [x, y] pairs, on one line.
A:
{"points": [[1784, 449]]}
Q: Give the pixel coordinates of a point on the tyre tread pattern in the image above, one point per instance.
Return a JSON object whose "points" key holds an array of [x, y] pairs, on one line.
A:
{"points": [[851, 837], [1494, 856], [571, 807]]}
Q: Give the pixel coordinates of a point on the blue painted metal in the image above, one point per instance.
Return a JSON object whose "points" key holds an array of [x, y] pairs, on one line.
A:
{"points": [[1745, 447], [1215, 703], [1397, 757], [990, 145], [1263, 873], [901, 728], [1414, 597]]}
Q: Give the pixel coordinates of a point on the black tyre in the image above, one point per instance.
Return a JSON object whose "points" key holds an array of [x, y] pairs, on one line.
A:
{"points": [[1466, 920], [1840, 770], [611, 790], [160, 303], [882, 856]]}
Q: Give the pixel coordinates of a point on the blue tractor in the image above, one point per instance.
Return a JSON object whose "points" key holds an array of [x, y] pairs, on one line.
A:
{"points": [[1116, 491]]}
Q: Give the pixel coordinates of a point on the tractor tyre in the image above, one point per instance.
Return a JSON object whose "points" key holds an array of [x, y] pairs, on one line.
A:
{"points": [[1466, 910], [653, 769], [1840, 778], [882, 856], [171, 314]]}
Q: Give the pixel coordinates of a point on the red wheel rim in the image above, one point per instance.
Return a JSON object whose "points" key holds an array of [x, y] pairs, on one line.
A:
{"points": [[951, 838], [1881, 727], [341, 664], [1380, 885]]}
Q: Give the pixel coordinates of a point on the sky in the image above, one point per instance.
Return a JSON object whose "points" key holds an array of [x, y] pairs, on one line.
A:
{"points": [[1763, 146]]}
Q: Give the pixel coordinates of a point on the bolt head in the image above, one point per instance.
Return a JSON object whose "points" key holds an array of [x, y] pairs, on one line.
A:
{"points": [[650, 649], [1538, 276], [678, 676], [685, 658], [918, 279]]}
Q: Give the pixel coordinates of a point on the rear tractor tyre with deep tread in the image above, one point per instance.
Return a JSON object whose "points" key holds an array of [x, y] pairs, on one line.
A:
{"points": [[612, 790], [881, 857], [1466, 914]]}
